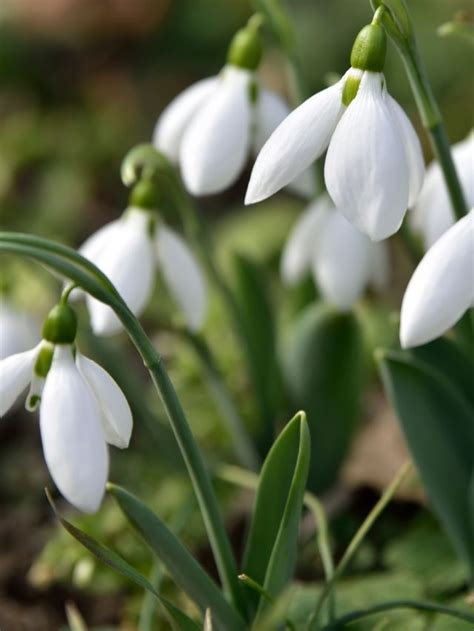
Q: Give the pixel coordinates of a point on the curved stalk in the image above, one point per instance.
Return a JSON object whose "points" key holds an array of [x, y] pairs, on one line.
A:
{"points": [[75, 267], [397, 22]]}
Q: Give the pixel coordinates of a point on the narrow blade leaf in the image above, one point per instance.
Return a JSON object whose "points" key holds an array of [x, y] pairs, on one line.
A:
{"points": [[185, 570], [270, 554], [437, 422]]}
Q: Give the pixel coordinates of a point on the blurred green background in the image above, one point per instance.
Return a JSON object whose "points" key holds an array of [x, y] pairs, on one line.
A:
{"points": [[81, 82]]}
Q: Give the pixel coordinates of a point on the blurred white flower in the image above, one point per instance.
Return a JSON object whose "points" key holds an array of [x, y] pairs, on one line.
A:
{"points": [[81, 409], [442, 286], [213, 127], [127, 251], [432, 215], [374, 166], [343, 261], [18, 329]]}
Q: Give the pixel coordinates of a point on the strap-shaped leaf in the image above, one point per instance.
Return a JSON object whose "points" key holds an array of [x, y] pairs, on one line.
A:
{"points": [[438, 424], [181, 621], [449, 358], [185, 570], [323, 365], [251, 289], [270, 554]]}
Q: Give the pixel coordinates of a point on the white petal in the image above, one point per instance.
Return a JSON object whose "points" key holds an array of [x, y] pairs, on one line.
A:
{"points": [[442, 286], [71, 431], [92, 248], [433, 214], [366, 172], [303, 241], [19, 331], [271, 110], [128, 261], [414, 154], [116, 413], [15, 375], [342, 262], [183, 276], [380, 265], [176, 116], [215, 145], [296, 143]]}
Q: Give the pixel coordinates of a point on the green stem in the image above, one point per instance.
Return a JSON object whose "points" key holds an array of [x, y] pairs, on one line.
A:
{"points": [[429, 607], [357, 540], [425, 101], [81, 271], [241, 441]]}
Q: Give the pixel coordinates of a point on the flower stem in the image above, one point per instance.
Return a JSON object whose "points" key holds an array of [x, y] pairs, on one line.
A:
{"points": [[358, 538], [192, 456], [426, 103]]}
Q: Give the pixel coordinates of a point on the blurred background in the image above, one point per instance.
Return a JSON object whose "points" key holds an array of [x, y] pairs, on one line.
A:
{"points": [[81, 82]]}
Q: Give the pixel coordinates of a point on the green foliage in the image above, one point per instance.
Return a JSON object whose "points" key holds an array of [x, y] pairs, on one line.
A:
{"points": [[186, 571], [251, 291], [323, 367], [270, 554], [437, 421]]}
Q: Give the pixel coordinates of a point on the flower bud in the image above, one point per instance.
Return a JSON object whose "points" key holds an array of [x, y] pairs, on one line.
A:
{"points": [[245, 50], [370, 47], [60, 326]]}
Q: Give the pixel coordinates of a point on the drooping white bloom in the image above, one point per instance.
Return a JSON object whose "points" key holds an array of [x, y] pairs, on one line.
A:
{"points": [[128, 251], [374, 167], [432, 215], [212, 127], [81, 409], [18, 329], [442, 286], [343, 261]]}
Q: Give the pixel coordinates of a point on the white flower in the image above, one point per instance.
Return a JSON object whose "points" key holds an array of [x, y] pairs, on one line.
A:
{"points": [[81, 410], [344, 262], [212, 127], [374, 166], [432, 215], [18, 329], [442, 286], [127, 251]]}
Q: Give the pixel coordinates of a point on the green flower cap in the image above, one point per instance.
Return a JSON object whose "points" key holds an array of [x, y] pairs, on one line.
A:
{"points": [[60, 326], [245, 50], [144, 194], [369, 50]]}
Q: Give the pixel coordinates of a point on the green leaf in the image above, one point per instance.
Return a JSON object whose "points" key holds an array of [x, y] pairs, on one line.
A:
{"points": [[447, 357], [324, 368], [116, 562], [251, 289], [185, 570], [271, 549], [437, 422]]}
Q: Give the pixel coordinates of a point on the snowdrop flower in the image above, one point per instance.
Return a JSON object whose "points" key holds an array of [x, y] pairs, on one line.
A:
{"points": [[18, 329], [343, 261], [128, 251], [442, 286], [213, 127], [81, 408], [374, 166], [432, 214]]}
